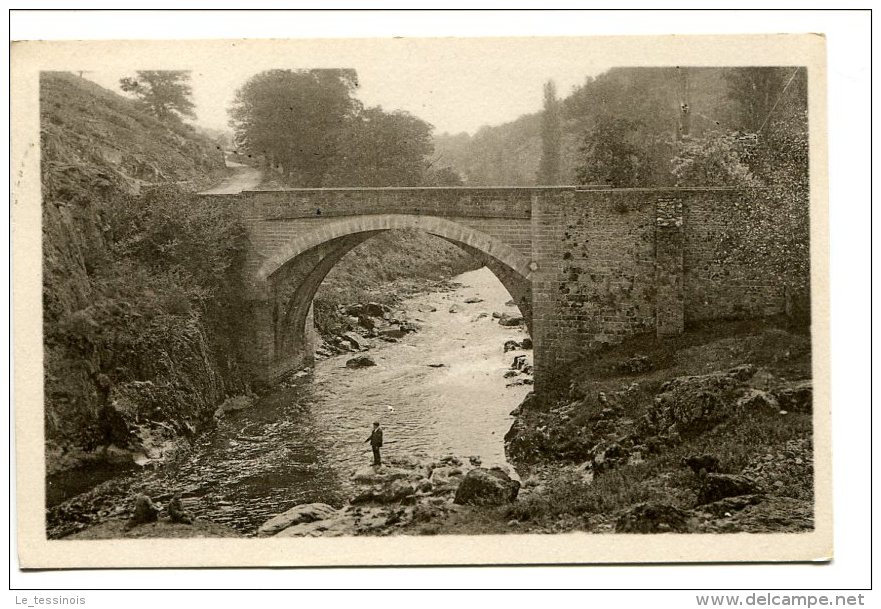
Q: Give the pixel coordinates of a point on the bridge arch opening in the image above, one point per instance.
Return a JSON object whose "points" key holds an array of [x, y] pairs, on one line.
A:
{"points": [[294, 272]]}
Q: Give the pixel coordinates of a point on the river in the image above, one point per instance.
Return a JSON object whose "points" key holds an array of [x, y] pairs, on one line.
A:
{"points": [[438, 391]]}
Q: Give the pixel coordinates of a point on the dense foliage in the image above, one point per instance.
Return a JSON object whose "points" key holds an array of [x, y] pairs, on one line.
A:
{"points": [[611, 156], [308, 125], [771, 230], [382, 149], [159, 323], [295, 119]]}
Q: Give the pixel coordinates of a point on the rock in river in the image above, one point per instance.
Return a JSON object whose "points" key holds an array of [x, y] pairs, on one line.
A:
{"points": [[359, 343], [510, 320], [362, 361]]}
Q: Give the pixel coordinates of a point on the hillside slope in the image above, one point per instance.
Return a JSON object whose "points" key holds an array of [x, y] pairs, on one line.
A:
{"points": [[83, 124], [509, 154], [126, 298]]}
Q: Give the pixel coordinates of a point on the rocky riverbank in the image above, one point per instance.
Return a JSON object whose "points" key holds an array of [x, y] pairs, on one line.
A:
{"points": [[445, 387], [405, 496], [709, 432]]}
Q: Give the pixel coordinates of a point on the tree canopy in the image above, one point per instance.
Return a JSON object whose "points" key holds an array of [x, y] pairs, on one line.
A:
{"points": [[309, 123], [610, 156], [164, 93], [295, 119], [382, 149]]}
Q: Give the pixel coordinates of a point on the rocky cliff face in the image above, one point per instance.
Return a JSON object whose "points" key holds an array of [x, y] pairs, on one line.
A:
{"points": [[127, 343]]}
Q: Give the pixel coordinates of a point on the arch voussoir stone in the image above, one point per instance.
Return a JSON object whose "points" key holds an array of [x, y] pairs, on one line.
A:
{"points": [[440, 227]]}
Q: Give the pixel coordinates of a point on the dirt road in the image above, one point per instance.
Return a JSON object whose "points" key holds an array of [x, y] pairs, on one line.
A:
{"points": [[243, 177]]}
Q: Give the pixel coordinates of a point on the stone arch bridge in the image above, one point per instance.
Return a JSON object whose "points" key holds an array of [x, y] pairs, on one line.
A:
{"points": [[587, 267]]}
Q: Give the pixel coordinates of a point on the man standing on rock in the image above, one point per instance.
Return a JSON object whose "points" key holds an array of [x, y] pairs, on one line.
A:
{"points": [[375, 440]]}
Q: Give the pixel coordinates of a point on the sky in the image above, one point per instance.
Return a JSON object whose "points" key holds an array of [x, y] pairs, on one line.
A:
{"points": [[455, 84]]}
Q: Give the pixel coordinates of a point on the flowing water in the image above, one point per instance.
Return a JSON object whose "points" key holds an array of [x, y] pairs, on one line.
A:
{"points": [[438, 391]]}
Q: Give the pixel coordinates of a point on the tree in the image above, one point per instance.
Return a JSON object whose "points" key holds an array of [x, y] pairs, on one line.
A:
{"points": [[756, 93], [610, 155], [296, 119], [382, 149], [164, 93], [549, 165], [445, 176]]}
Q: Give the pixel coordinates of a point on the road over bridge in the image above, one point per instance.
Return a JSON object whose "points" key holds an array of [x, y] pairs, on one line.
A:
{"points": [[587, 267]]}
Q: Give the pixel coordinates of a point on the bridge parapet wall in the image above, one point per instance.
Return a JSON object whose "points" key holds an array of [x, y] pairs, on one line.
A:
{"points": [[510, 203]]}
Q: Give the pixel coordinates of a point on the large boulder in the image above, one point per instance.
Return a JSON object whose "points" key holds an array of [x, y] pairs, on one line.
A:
{"points": [[393, 332], [770, 515], [689, 405], [354, 310], [307, 512], [234, 404], [719, 486], [652, 518], [729, 505], [446, 478], [525, 443], [144, 511], [483, 486], [352, 520]]}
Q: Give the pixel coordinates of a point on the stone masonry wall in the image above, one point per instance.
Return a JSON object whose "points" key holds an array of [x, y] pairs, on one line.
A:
{"points": [[595, 277], [605, 263]]}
